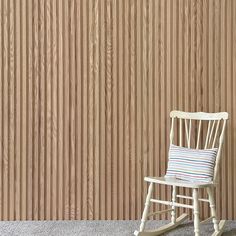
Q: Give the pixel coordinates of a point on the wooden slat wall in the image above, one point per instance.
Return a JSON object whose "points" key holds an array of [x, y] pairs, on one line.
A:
{"points": [[86, 87]]}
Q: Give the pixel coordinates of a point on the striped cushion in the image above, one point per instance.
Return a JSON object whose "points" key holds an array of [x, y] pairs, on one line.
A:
{"points": [[191, 164]]}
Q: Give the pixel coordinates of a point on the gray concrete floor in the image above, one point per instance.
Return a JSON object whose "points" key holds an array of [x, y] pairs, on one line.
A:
{"points": [[99, 228]]}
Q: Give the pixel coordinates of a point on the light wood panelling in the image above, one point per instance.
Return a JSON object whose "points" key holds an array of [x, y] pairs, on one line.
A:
{"points": [[86, 87]]}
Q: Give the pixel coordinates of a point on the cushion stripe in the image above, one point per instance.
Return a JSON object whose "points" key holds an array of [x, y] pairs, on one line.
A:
{"points": [[191, 164]]}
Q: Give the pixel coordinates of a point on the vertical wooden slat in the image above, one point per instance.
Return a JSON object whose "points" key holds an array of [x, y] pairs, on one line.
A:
{"points": [[115, 163], [210, 82], [54, 110], [223, 198], [126, 75], [168, 71], [96, 111], [192, 61], [102, 124], [1, 109], [174, 50], [174, 68], [181, 47], [48, 107], [78, 119], [85, 109], [35, 97], [150, 91], [234, 87], [205, 51], [199, 53], [108, 104], [162, 93], [42, 108], [18, 114], [90, 109], [156, 127], [132, 107], [24, 112], [60, 111], [5, 97], [66, 110], [29, 112], [189, 69], [11, 90], [229, 104], [217, 53], [72, 105], [139, 110], [144, 94]]}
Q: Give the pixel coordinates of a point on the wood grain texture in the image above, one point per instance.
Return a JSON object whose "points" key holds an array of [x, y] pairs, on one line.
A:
{"points": [[86, 88]]}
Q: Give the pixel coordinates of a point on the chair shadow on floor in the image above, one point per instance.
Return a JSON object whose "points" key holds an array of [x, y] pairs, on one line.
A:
{"points": [[228, 232]]}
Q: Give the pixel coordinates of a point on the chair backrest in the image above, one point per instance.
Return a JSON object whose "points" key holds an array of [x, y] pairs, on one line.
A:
{"points": [[199, 130]]}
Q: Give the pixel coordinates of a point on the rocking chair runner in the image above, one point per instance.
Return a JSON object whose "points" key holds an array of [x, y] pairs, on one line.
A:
{"points": [[215, 131]]}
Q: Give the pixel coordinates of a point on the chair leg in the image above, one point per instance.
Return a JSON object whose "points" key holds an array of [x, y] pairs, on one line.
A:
{"points": [[173, 212], [213, 209], [196, 212], [146, 208]]}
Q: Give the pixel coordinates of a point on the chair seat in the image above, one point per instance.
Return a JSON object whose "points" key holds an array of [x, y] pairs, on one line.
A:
{"points": [[178, 182]]}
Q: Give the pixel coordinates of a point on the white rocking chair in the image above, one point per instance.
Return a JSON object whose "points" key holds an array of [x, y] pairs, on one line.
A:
{"points": [[215, 134]]}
